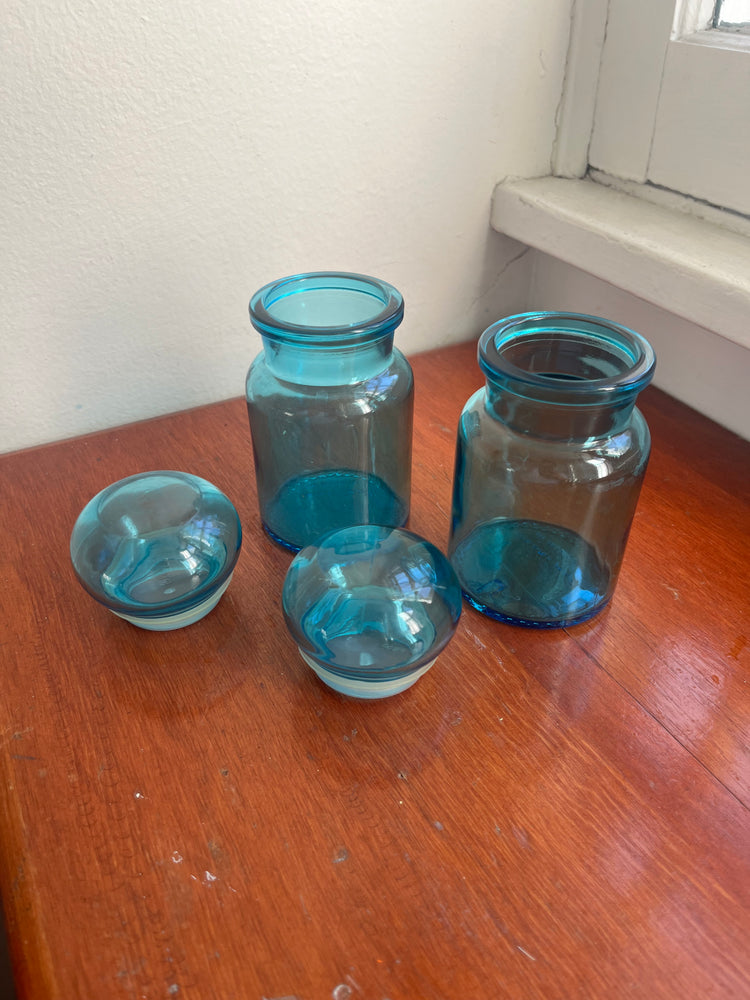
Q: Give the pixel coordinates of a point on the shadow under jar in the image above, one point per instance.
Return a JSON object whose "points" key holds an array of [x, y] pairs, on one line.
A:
{"points": [[550, 457], [330, 403]]}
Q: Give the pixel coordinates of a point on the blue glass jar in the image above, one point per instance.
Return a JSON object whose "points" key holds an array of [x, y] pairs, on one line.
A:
{"points": [[330, 405], [550, 457]]}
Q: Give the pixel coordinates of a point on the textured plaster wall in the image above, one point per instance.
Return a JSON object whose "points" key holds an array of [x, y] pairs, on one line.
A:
{"points": [[162, 160]]}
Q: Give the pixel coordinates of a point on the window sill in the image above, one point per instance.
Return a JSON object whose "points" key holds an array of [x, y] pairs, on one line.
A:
{"points": [[691, 267]]}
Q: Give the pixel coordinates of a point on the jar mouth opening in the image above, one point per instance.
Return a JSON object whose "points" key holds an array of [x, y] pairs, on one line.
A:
{"points": [[326, 308], [573, 355]]}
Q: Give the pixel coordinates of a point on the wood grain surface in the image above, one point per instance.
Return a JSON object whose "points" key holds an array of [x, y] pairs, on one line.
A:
{"points": [[546, 814]]}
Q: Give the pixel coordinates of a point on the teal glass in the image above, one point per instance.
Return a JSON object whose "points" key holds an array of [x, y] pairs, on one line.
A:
{"points": [[550, 457], [158, 548], [370, 608], [330, 403]]}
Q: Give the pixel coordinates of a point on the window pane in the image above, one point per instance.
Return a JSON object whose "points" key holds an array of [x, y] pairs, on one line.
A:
{"points": [[732, 15]]}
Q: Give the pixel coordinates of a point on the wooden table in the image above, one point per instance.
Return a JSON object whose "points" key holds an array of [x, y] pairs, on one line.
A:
{"points": [[546, 814]]}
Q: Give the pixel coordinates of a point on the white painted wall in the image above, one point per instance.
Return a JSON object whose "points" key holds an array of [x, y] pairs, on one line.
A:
{"points": [[161, 161], [705, 370]]}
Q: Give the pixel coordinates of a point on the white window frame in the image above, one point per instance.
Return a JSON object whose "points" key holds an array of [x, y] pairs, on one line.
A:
{"points": [[640, 100], [682, 254]]}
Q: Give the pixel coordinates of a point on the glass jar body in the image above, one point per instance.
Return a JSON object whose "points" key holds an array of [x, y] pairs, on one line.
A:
{"points": [[331, 421], [546, 482], [327, 457]]}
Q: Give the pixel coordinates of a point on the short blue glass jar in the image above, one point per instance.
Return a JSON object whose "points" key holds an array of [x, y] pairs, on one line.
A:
{"points": [[157, 549], [330, 404], [550, 457], [370, 608]]}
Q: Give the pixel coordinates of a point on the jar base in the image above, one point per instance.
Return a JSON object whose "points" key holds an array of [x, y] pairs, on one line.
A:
{"points": [[365, 689], [278, 540], [311, 506], [531, 623], [531, 573]]}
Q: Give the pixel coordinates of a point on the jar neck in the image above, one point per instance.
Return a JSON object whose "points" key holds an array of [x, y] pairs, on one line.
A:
{"points": [[558, 421], [564, 375], [327, 327], [316, 364]]}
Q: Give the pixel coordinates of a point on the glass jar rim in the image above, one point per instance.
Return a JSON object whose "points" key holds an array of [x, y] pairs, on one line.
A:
{"points": [[381, 309], [630, 353]]}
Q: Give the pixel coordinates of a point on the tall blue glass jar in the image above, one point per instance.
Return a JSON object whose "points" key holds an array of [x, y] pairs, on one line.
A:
{"points": [[550, 458], [330, 403]]}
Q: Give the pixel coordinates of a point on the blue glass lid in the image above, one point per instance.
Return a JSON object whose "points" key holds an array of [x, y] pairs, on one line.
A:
{"points": [[373, 605], [155, 545]]}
